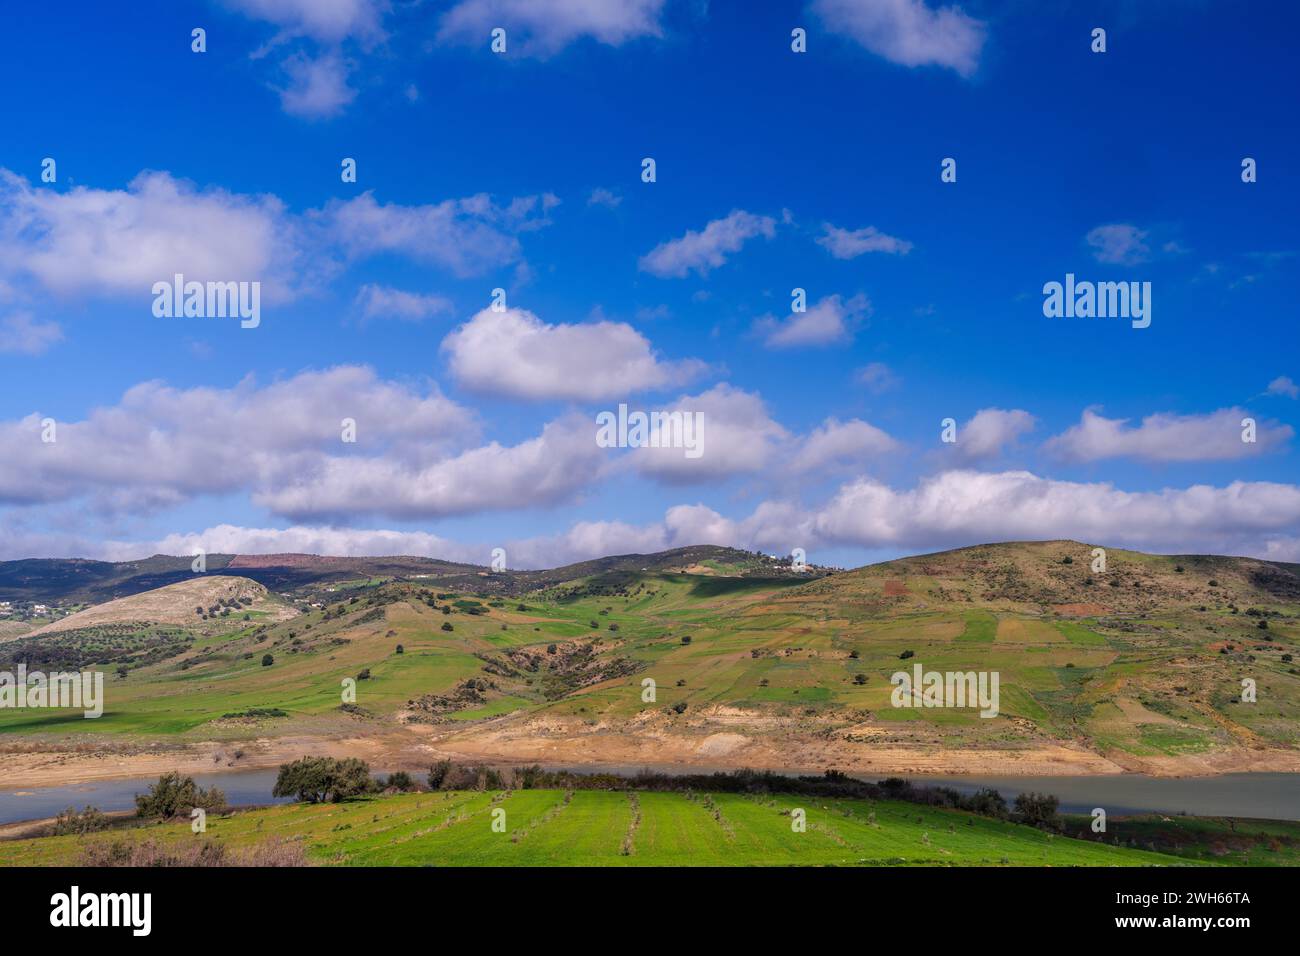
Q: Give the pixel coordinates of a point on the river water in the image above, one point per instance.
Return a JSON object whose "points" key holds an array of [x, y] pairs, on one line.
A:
{"points": [[242, 788], [1273, 796]]}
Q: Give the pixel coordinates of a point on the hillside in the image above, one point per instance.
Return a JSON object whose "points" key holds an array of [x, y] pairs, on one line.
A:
{"points": [[184, 603], [1137, 668]]}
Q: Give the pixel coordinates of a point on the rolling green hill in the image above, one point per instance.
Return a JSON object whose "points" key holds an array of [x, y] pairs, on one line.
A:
{"points": [[751, 663]]}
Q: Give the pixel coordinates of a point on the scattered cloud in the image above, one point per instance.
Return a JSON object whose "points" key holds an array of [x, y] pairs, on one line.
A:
{"points": [[515, 354], [85, 242], [111, 241], [989, 433], [600, 196], [702, 251], [160, 446], [828, 322], [1166, 437], [544, 28], [739, 437], [969, 507], [318, 86], [908, 32], [382, 302], [1282, 385], [21, 334], [465, 236], [951, 509], [876, 377], [327, 21], [837, 445], [308, 539], [545, 470], [1119, 244], [316, 32], [849, 244]]}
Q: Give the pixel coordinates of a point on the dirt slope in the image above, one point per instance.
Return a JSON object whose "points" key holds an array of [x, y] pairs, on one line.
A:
{"points": [[175, 604]]}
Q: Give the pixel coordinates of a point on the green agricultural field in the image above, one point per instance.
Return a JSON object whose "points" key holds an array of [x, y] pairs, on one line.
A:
{"points": [[618, 828], [980, 626]]}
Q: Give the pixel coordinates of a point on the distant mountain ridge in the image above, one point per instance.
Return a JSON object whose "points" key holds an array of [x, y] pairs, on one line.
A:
{"points": [[80, 580]]}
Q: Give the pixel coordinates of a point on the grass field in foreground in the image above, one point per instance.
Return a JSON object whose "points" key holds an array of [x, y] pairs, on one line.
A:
{"points": [[608, 828]]}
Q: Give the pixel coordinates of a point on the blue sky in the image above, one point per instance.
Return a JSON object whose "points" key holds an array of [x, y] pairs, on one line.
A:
{"points": [[775, 170]]}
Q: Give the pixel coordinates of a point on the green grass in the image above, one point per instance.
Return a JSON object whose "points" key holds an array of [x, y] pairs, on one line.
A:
{"points": [[981, 626], [1076, 633], [596, 828]]}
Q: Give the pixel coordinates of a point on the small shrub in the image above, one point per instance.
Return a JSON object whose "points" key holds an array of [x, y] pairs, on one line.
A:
{"points": [[79, 822], [438, 773], [322, 779], [401, 780], [1038, 810], [207, 853], [174, 796]]}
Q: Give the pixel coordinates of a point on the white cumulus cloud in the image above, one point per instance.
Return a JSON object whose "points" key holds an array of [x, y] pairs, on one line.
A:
{"points": [[515, 354], [989, 432]]}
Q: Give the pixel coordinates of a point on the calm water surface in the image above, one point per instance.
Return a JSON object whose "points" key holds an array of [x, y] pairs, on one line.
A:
{"points": [[1273, 796]]}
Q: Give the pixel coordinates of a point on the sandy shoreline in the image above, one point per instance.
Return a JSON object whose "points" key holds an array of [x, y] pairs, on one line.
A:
{"points": [[31, 767]]}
